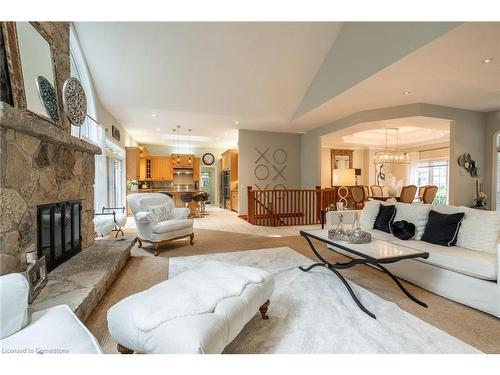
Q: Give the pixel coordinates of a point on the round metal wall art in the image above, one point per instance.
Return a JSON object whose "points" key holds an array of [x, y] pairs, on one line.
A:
{"points": [[465, 161], [47, 95], [74, 101]]}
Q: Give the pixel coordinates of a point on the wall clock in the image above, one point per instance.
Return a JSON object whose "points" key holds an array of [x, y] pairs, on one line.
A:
{"points": [[208, 158]]}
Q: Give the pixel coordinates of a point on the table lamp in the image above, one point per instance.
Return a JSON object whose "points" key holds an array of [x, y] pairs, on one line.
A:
{"points": [[343, 178], [357, 174]]}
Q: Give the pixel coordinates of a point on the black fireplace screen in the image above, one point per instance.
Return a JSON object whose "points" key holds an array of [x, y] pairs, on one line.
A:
{"points": [[59, 232]]}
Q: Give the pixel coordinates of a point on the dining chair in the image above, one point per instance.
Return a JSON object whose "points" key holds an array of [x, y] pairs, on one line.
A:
{"points": [[358, 196], [376, 190], [408, 194], [421, 190], [429, 194], [367, 192]]}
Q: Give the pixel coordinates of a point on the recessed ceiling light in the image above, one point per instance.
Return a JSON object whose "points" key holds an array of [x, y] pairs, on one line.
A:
{"points": [[236, 122], [406, 93], [486, 61], [157, 129], [153, 115]]}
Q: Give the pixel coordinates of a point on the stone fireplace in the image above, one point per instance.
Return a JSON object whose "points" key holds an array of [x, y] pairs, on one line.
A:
{"points": [[40, 162], [47, 185], [39, 165]]}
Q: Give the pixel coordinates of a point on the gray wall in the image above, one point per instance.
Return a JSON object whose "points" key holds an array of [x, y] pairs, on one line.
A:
{"points": [[273, 147], [467, 134], [492, 129]]}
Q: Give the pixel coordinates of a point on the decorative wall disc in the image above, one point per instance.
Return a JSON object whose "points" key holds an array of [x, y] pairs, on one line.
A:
{"points": [[47, 95], [74, 101]]}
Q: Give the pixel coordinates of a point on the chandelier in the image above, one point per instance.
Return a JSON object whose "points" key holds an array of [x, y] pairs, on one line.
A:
{"points": [[391, 155]]}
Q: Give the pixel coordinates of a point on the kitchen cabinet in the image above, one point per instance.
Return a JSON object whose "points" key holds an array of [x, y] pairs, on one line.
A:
{"points": [[196, 169], [145, 168], [162, 169], [230, 163], [156, 168], [132, 162], [183, 161]]}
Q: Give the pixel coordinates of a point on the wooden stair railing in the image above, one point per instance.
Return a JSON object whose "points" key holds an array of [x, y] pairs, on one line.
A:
{"points": [[288, 207]]}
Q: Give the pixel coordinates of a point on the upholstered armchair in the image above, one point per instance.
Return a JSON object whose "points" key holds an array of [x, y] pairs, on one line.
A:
{"points": [[158, 220]]}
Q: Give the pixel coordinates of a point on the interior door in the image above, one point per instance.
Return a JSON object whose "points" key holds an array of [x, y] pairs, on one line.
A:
{"points": [[207, 183]]}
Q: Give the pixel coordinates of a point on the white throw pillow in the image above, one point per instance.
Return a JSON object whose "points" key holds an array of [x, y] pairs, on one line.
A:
{"points": [[479, 230], [417, 214], [369, 214], [161, 212]]}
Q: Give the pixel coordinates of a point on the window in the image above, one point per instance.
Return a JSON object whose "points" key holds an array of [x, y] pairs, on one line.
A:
{"points": [[116, 178], [435, 172], [90, 130]]}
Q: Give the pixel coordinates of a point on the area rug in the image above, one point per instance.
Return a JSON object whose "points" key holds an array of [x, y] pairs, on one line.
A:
{"points": [[313, 313]]}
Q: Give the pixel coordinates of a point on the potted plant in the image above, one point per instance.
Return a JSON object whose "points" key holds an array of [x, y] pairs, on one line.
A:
{"points": [[133, 185]]}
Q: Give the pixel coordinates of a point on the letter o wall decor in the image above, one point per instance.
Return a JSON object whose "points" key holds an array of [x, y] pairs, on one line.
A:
{"points": [[280, 156], [261, 172]]}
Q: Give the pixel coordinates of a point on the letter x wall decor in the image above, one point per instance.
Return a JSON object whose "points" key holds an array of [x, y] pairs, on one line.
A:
{"points": [[270, 168]]}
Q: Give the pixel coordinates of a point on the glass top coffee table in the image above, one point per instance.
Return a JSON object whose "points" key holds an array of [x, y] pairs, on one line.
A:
{"points": [[375, 253]]}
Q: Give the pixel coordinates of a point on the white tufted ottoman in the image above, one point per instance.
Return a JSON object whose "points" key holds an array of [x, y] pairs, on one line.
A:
{"points": [[199, 311]]}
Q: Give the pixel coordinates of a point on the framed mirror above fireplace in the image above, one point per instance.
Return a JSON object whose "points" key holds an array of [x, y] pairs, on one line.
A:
{"points": [[59, 232]]}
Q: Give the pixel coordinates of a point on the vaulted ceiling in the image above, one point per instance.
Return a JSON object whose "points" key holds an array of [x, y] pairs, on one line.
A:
{"points": [[216, 78], [211, 77]]}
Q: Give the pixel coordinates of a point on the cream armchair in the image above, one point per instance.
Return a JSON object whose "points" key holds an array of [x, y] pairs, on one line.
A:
{"points": [[150, 228]]}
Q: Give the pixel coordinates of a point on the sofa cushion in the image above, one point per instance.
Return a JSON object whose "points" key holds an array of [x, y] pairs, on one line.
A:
{"points": [[403, 230], [468, 262], [369, 214], [479, 230], [384, 218], [172, 225], [442, 229], [415, 214]]}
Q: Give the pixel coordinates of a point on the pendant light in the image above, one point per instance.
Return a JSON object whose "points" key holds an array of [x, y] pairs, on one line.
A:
{"points": [[178, 147], [391, 155], [190, 160]]}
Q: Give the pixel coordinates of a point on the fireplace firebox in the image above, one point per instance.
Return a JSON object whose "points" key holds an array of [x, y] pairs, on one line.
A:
{"points": [[59, 232]]}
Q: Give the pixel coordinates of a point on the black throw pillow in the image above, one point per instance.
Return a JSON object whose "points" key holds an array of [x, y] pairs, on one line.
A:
{"points": [[384, 218], [442, 229], [403, 230]]}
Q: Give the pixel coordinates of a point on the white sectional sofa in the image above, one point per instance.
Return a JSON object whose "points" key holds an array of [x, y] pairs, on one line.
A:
{"points": [[465, 273]]}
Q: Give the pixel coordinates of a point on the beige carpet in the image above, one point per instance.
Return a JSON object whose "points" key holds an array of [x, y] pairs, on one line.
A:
{"points": [[144, 270]]}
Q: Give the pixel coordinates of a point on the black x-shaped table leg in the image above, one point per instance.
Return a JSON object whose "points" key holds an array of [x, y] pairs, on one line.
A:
{"points": [[352, 263]]}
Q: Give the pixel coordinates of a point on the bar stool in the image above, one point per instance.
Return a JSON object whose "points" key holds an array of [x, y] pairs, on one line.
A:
{"points": [[167, 193], [199, 199], [186, 198], [206, 198]]}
